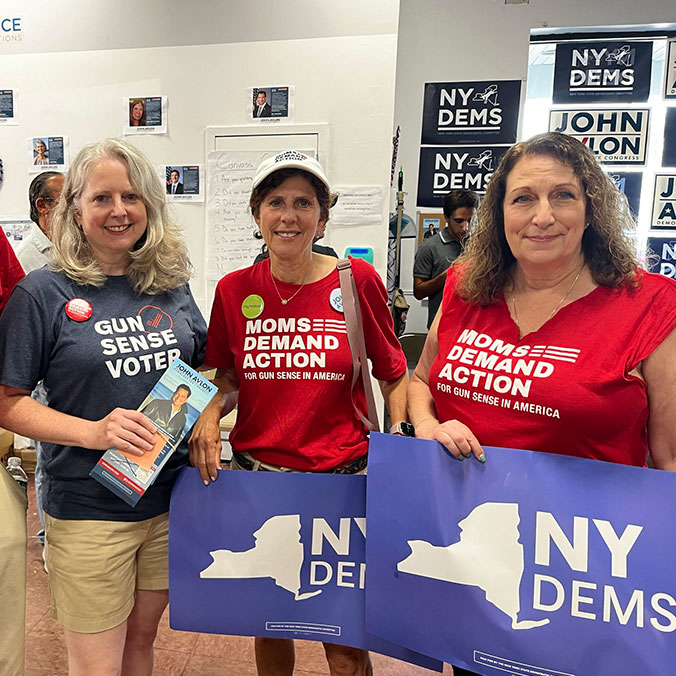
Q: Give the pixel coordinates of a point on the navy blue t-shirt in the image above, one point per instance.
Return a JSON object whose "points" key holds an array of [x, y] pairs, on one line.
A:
{"points": [[90, 367]]}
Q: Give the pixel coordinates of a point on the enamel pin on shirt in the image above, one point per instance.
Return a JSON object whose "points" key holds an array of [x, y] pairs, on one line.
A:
{"points": [[78, 309]]}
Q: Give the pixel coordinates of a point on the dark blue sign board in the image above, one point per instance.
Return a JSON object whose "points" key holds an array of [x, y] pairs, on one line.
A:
{"points": [[532, 563], [629, 183], [662, 258], [669, 148], [277, 555], [470, 112], [602, 72], [454, 167]]}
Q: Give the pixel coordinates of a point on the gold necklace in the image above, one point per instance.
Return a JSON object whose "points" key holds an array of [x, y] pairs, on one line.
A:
{"points": [[284, 301], [558, 305]]}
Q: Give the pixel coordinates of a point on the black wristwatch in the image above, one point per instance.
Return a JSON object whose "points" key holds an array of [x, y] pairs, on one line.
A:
{"points": [[403, 429]]}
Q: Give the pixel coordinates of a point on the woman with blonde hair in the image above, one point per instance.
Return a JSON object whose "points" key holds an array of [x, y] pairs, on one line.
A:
{"points": [[550, 337], [98, 326]]}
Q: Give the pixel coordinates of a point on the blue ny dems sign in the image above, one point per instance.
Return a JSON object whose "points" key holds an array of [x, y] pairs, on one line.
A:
{"points": [[532, 564], [456, 167], [664, 256], [614, 135], [273, 554], [470, 112], [602, 72]]}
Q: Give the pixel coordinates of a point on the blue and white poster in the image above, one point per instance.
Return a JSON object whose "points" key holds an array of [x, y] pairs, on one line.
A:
{"points": [[663, 260], [669, 147], [531, 563], [670, 70], [614, 135], [664, 202], [629, 183], [470, 112], [457, 167], [602, 72], [271, 554]]}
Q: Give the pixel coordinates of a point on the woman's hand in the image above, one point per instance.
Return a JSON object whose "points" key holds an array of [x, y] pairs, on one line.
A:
{"points": [[454, 435], [124, 429], [205, 446]]}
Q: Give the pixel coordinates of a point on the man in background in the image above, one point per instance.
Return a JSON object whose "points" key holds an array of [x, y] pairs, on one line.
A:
{"points": [[33, 252], [43, 194], [437, 252], [262, 107]]}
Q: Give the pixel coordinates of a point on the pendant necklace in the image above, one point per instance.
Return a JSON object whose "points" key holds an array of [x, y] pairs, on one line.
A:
{"points": [[555, 310], [284, 301]]}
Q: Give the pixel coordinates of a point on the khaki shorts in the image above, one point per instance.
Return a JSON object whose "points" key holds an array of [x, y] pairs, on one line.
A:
{"points": [[95, 568]]}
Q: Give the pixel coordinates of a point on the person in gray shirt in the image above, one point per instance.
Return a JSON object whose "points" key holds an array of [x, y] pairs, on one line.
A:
{"points": [[436, 253]]}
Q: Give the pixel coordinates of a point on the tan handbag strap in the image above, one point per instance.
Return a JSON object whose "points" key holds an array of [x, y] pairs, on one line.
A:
{"points": [[355, 339]]}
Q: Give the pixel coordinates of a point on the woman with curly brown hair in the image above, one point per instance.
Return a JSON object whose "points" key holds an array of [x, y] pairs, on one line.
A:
{"points": [[550, 337]]}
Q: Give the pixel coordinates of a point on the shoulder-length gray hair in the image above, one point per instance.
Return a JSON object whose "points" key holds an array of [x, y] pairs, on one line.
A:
{"points": [[488, 262], [159, 261]]}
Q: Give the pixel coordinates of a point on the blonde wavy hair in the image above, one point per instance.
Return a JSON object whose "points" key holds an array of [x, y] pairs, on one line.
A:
{"points": [[487, 264], [159, 261]]}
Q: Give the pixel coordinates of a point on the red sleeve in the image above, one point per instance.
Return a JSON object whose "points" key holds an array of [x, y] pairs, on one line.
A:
{"points": [[658, 295], [382, 345], [218, 353], [11, 271]]}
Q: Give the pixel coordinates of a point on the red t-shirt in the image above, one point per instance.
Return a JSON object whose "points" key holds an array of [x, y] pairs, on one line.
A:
{"points": [[566, 388], [295, 365], [11, 271]]}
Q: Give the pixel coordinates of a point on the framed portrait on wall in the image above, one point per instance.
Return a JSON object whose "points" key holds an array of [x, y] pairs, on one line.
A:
{"points": [[429, 223]]}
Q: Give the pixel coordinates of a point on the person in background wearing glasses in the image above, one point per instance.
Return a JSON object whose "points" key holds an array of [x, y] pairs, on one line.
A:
{"points": [[33, 253], [437, 252]]}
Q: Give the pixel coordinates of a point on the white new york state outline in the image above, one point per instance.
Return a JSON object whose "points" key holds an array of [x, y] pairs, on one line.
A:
{"points": [[489, 533], [277, 554]]}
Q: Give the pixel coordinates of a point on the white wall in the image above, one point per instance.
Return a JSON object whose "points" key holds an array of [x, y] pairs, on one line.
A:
{"points": [[455, 40], [79, 25], [344, 80]]}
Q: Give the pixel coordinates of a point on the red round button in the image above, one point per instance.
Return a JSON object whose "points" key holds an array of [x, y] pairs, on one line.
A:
{"points": [[78, 309]]}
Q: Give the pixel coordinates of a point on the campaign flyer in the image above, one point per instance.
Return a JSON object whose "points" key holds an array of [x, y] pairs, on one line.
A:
{"points": [[173, 406]]}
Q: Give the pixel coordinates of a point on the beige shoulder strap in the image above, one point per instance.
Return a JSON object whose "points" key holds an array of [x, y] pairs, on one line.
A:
{"points": [[355, 338]]}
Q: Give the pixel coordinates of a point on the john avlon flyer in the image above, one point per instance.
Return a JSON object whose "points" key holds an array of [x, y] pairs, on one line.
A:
{"points": [[173, 406]]}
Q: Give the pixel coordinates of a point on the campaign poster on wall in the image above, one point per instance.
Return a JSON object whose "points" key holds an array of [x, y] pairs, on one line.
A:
{"points": [[8, 107], [670, 70], [470, 112], [270, 104], [664, 202], [531, 563], [145, 115], [47, 153], [663, 259], [602, 72], [669, 147], [614, 135], [273, 554], [183, 182], [456, 167], [629, 183]]}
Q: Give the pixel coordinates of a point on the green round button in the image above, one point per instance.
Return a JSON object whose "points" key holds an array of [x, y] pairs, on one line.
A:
{"points": [[252, 306]]}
